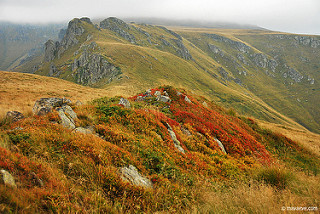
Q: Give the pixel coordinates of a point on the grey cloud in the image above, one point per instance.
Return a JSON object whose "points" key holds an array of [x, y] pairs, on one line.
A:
{"points": [[301, 16]]}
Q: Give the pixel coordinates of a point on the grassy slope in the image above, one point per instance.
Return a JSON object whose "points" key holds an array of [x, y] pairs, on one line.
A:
{"points": [[79, 171], [276, 92], [148, 65]]}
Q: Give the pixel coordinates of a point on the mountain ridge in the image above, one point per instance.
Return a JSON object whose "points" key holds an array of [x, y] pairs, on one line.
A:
{"points": [[205, 60]]}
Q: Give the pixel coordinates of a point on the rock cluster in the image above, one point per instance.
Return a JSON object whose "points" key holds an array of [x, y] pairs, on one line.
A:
{"points": [[45, 105]]}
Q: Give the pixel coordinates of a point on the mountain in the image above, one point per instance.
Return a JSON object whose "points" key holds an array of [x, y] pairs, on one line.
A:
{"points": [[161, 150], [19, 42], [260, 73]]}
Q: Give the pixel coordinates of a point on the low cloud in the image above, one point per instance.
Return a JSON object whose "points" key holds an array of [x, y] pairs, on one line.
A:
{"points": [[299, 16]]}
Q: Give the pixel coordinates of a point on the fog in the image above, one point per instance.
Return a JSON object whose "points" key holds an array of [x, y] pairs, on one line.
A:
{"points": [[295, 16]]}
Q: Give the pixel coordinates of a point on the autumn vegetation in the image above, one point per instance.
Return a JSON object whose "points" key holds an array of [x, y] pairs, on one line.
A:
{"points": [[261, 172]]}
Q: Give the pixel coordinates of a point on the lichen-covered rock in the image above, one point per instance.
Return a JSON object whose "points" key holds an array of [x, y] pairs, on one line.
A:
{"points": [[7, 179], [124, 102], [14, 116], [66, 121], [46, 105], [132, 175]]}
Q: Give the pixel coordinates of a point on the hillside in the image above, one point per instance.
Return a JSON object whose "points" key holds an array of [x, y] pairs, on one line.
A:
{"points": [[20, 42], [19, 91], [257, 72], [162, 150]]}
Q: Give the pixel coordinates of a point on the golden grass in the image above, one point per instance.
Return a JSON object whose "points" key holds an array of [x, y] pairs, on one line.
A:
{"points": [[307, 139], [256, 197], [19, 91]]}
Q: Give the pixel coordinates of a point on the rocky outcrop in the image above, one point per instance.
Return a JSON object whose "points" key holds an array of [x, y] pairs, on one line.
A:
{"points": [[234, 44], [263, 61], [131, 174], [293, 74], [62, 33], [55, 49], [51, 49], [45, 105], [224, 74], [90, 68], [14, 116], [214, 49], [118, 26], [53, 71], [7, 179], [181, 50], [171, 32]]}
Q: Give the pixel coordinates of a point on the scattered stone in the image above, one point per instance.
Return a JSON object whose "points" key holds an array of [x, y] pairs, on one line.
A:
{"points": [[165, 93], [164, 99], [179, 93], [140, 98], [132, 175], [157, 93], [187, 99], [205, 104], [83, 130], [124, 102], [7, 179], [220, 145], [14, 116], [173, 136]]}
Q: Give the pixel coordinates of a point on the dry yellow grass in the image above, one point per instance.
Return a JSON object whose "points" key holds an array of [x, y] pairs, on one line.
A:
{"points": [[254, 197], [304, 137], [19, 91]]}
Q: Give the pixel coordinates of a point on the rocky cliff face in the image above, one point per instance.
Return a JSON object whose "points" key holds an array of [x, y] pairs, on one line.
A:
{"points": [[90, 68], [55, 49]]}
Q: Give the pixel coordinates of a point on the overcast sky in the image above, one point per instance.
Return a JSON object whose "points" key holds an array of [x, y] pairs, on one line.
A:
{"points": [[297, 16]]}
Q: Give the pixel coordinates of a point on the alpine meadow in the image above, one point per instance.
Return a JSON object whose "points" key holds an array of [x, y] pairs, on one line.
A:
{"points": [[109, 116]]}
